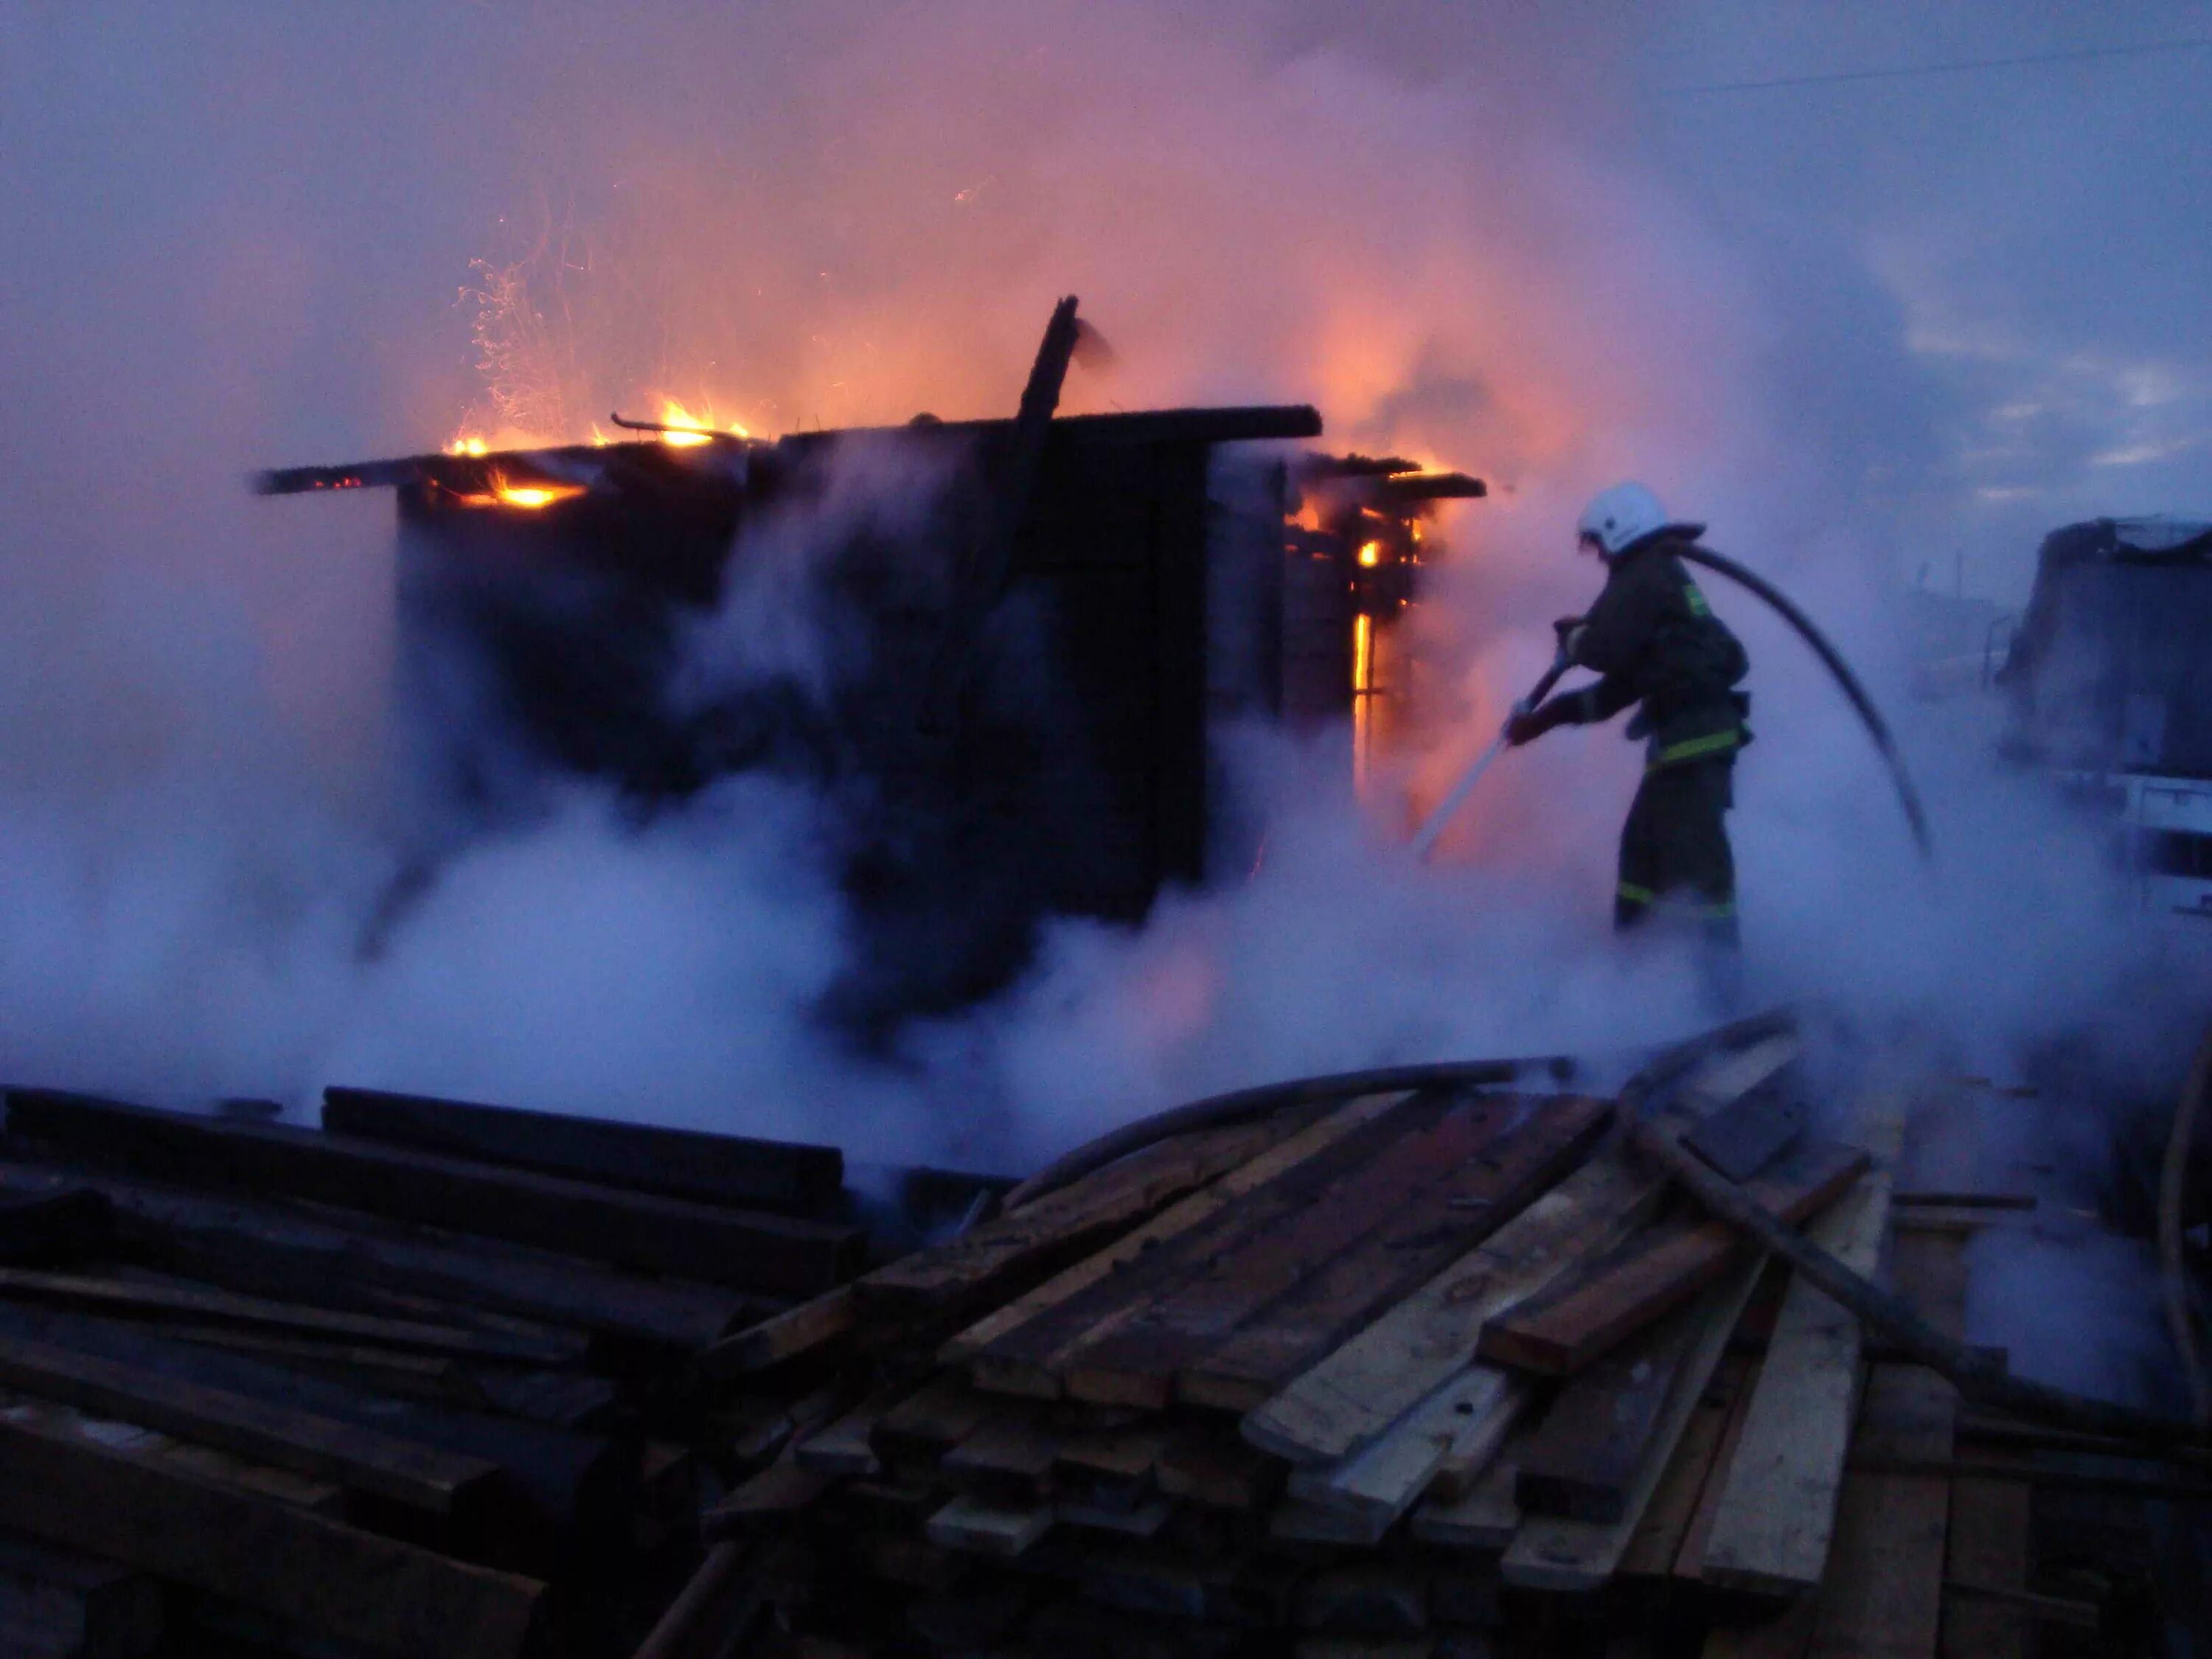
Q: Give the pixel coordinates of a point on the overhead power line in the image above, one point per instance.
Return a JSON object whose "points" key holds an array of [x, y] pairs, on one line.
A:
{"points": [[1963, 66]]}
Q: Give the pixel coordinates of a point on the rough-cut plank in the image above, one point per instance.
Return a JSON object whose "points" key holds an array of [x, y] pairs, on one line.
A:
{"points": [[1582, 1555], [1356, 1392], [1379, 1598], [1750, 1133], [141, 1297], [1041, 1238], [1883, 1591], [38, 1229], [1485, 1517], [769, 1253], [1570, 1325], [1141, 1363], [1777, 1509], [1600, 1435], [716, 1168], [1310, 1523], [1181, 1217], [1988, 1547], [1667, 1518], [921, 1428], [1209, 1468], [1121, 1463], [334, 1580], [1063, 1338], [94, 1609], [969, 1524], [844, 1447], [558, 1474], [261, 1246], [421, 1476], [1007, 1459], [767, 1501], [1433, 1228], [1139, 1520], [1471, 1417], [806, 1328], [1690, 1556]]}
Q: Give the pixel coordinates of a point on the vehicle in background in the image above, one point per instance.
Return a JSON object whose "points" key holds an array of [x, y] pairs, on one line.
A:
{"points": [[2108, 684]]}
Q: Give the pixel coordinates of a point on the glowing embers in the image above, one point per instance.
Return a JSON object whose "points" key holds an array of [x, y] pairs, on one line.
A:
{"points": [[531, 496], [680, 428], [1370, 553]]}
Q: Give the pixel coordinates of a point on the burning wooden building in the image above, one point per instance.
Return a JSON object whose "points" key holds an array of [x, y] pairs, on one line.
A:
{"points": [[1018, 637]]}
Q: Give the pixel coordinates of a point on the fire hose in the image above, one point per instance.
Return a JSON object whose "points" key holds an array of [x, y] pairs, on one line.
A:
{"points": [[1869, 716]]}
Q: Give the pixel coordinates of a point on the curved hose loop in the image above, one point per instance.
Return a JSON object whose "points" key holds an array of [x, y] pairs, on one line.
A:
{"points": [[1877, 728], [2180, 1323], [1219, 1111]]}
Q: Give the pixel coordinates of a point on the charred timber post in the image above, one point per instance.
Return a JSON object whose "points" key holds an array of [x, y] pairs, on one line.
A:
{"points": [[732, 1169], [978, 590]]}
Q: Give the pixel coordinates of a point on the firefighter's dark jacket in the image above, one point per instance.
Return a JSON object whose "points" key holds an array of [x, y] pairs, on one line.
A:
{"points": [[1654, 640]]}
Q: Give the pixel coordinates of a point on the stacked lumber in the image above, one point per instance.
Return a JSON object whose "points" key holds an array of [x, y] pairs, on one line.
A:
{"points": [[421, 1383], [1420, 1372]]}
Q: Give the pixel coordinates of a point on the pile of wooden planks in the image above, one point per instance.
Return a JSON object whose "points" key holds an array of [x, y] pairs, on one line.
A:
{"points": [[421, 1383], [1416, 1373]]}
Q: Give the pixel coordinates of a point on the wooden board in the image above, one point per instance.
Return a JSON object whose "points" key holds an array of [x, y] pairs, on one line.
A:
{"points": [[1469, 1417], [921, 1428], [809, 1328], [93, 1608], [1573, 1323], [1008, 1460], [1578, 1556], [1488, 1152], [1052, 1343], [1584, 1459], [423, 1477], [38, 1229], [1018, 1348], [258, 1247], [556, 1474], [1485, 1517], [1743, 1137], [1883, 1590], [1009, 1255], [116, 1294], [1429, 1232], [1209, 1468], [1988, 1547], [1667, 1518], [770, 1252], [1776, 1512], [1346, 1399], [336, 1581], [967, 1523], [716, 1168]]}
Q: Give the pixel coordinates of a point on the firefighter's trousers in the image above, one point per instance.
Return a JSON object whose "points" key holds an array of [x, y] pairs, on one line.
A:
{"points": [[1674, 852]]}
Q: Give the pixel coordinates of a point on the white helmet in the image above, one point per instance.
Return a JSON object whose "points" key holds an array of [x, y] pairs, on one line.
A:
{"points": [[1618, 517]]}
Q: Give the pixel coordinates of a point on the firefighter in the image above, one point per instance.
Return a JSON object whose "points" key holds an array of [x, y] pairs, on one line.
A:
{"points": [[1654, 642]]}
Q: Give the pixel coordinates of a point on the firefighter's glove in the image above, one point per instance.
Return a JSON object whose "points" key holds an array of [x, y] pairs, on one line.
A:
{"points": [[1527, 725], [1570, 630]]}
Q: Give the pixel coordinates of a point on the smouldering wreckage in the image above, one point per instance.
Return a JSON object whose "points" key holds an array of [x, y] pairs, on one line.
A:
{"points": [[1020, 634]]}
